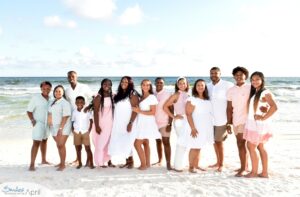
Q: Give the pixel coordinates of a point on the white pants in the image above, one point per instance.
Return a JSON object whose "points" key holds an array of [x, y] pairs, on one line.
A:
{"points": [[179, 157]]}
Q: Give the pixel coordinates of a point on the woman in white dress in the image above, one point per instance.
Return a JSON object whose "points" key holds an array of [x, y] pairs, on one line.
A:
{"points": [[122, 135], [146, 126], [200, 118]]}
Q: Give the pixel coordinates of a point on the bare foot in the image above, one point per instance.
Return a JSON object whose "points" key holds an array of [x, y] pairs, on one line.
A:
{"points": [[104, 166], [240, 173], [192, 170], [74, 163], [177, 170], [57, 165], [169, 166], [46, 163], [92, 167], [142, 168], [237, 170], [110, 164], [31, 168], [251, 175], [220, 169], [214, 165], [61, 168], [199, 168], [79, 166], [263, 175], [157, 163]]}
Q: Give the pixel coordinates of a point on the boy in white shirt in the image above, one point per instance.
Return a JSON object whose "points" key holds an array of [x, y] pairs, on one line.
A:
{"points": [[82, 125]]}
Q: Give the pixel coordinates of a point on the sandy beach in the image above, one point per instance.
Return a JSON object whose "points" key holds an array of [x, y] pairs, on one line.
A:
{"points": [[284, 171]]}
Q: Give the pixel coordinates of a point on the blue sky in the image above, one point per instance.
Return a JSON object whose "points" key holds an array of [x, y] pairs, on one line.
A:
{"points": [[142, 38]]}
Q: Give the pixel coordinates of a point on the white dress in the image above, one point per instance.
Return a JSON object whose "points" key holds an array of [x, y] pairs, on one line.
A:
{"points": [[146, 126], [121, 142], [203, 121]]}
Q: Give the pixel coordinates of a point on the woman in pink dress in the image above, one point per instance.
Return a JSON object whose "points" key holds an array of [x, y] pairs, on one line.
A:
{"points": [[103, 119], [257, 130], [178, 101]]}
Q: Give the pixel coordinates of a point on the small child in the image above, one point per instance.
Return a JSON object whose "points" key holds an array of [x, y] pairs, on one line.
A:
{"points": [[82, 125]]}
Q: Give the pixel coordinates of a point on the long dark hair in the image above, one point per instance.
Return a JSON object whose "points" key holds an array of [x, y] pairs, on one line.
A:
{"points": [[151, 88], [101, 93], [177, 81], [64, 94], [195, 93], [253, 90], [121, 94]]}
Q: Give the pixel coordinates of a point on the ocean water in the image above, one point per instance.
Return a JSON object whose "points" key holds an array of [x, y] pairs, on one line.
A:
{"points": [[15, 93]]}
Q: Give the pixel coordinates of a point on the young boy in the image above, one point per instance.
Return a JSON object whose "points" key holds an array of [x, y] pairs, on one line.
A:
{"points": [[82, 125]]}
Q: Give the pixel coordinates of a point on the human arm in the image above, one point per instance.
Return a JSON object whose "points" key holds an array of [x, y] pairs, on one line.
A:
{"points": [[272, 108], [134, 101], [150, 112], [96, 103], [62, 124], [229, 111], [30, 116], [189, 108], [169, 125]]}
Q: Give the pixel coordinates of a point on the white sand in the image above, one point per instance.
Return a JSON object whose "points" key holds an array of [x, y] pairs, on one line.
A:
{"points": [[284, 169]]}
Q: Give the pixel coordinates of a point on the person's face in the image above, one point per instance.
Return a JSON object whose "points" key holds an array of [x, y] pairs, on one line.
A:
{"points": [[256, 81], [215, 75], [106, 86], [146, 86], [182, 85], [124, 83], [72, 78], [159, 85], [80, 104], [200, 87], [240, 77], [46, 89], [59, 92]]}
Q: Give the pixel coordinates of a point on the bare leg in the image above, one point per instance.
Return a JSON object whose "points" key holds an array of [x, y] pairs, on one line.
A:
{"points": [[141, 154], [198, 156], [147, 152], [167, 148], [44, 151], [242, 154], [264, 161], [159, 151], [192, 158], [78, 154], [217, 155], [34, 151], [220, 155], [89, 156], [61, 145], [254, 160]]}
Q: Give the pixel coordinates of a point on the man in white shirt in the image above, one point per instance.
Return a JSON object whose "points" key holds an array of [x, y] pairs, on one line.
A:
{"points": [[217, 90], [77, 89]]}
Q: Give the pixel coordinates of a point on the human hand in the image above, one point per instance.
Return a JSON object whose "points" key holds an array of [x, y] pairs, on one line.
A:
{"points": [[169, 128], [194, 133], [229, 129], [33, 122], [136, 109], [129, 127], [98, 130]]}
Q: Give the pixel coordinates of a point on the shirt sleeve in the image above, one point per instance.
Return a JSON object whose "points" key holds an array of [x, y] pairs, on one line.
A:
{"points": [[66, 108], [73, 117], [229, 94], [192, 100], [31, 105], [153, 100]]}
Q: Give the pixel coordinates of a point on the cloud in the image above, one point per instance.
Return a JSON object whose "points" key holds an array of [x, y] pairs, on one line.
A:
{"points": [[56, 21], [132, 16], [86, 52], [92, 9], [1, 30], [110, 40]]}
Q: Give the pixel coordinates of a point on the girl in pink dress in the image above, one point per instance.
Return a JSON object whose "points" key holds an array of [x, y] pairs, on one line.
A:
{"points": [[257, 130], [103, 119]]}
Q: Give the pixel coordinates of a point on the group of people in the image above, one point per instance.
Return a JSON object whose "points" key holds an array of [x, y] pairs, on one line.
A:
{"points": [[119, 123]]}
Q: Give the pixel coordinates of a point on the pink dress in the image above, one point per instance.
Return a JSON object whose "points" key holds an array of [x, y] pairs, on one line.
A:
{"points": [[258, 131], [101, 141]]}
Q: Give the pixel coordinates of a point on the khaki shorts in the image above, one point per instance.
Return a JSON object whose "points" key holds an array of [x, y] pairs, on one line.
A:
{"points": [[220, 133], [239, 129], [80, 139], [164, 133]]}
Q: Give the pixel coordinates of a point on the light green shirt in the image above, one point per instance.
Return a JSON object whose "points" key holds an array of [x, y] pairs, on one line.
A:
{"points": [[38, 105]]}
